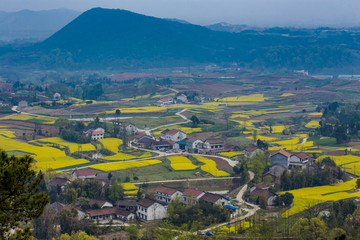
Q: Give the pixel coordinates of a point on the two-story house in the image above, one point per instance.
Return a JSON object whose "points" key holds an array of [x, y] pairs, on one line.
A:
{"points": [[165, 194], [300, 160], [214, 199], [193, 145], [149, 210], [281, 158], [253, 150], [214, 144], [129, 128], [173, 135]]}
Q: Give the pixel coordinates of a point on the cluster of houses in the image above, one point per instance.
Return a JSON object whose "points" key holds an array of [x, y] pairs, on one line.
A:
{"points": [[129, 209], [99, 133], [167, 101], [176, 140], [280, 161]]}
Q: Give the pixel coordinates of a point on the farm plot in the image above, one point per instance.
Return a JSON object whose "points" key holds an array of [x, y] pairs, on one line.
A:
{"points": [[210, 167], [231, 154], [125, 156], [124, 165], [181, 163], [350, 163], [30, 118], [46, 157], [312, 124], [6, 133], [305, 198], [129, 188], [73, 147], [111, 144]]}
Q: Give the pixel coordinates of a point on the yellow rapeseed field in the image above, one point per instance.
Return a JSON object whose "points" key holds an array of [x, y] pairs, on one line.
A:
{"points": [[350, 163], [26, 117], [210, 167], [124, 165], [111, 144], [312, 124], [128, 186], [73, 147], [308, 197], [287, 94], [248, 98], [7, 133], [316, 114], [46, 157], [231, 154], [124, 156], [262, 138], [181, 163], [234, 229]]}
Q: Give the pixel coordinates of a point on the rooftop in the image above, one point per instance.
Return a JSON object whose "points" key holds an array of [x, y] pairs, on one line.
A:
{"points": [[85, 172], [145, 202], [282, 152], [193, 192], [166, 190]]}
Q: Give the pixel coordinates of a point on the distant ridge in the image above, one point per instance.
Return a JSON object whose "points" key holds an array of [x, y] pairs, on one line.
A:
{"points": [[33, 24], [113, 38]]}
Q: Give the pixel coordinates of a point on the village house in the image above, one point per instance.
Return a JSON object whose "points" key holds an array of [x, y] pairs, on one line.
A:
{"points": [[23, 103], [261, 190], [149, 210], [106, 214], [191, 196], [94, 134], [165, 101], [301, 160], [162, 145], [100, 203], [182, 98], [193, 145], [57, 96], [59, 182], [214, 144], [214, 199], [173, 135], [83, 174], [128, 205], [281, 158], [129, 128], [275, 173], [165, 194], [141, 136], [253, 150], [144, 142]]}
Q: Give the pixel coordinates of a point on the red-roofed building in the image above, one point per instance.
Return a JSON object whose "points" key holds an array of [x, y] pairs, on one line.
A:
{"points": [[83, 174], [173, 135], [191, 196], [166, 195], [300, 160], [281, 158], [129, 128]]}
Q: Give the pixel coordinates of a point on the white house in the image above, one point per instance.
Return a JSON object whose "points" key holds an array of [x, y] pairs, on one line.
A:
{"points": [[300, 159], [23, 103], [100, 203], [191, 196], [129, 128], [252, 151], [213, 144], [57, 96], [166, 195], [149, 210], [193, 145], [95, 134], [182, 98], [173, 135], [166, 101], [83, 174], [106, 214]]}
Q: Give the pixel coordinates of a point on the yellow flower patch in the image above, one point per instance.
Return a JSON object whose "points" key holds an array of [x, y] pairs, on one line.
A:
{"points": [[262, 138], [111, 144], [73, 147], [231, 154], [124, 165], [26, 117], [312, 124], [308, 197], [287, 94], [128, 186], [7, 133], [210, 167], [316, 114], [181, 163]]}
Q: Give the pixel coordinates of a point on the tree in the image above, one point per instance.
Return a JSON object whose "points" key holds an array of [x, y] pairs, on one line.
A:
{"points": [[133, 232], [306, 229], [45, 226], [115, 192], [195, 121], [285, 199], [77, 236], [358, 183], [20, 197], [226, 117]]}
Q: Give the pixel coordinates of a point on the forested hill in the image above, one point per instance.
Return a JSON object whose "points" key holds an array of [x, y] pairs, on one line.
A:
{"points": [[101, 38]]}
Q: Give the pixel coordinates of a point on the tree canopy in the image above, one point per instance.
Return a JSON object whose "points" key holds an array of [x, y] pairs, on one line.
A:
{"points": [[20, 196]]}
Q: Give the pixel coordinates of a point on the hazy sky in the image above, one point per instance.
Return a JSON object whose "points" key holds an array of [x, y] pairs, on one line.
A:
{"points": [[252, 12]]}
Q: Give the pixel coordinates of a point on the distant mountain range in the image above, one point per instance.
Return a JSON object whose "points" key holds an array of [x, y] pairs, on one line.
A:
{"points": [[38, 25], [112, 38]]}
